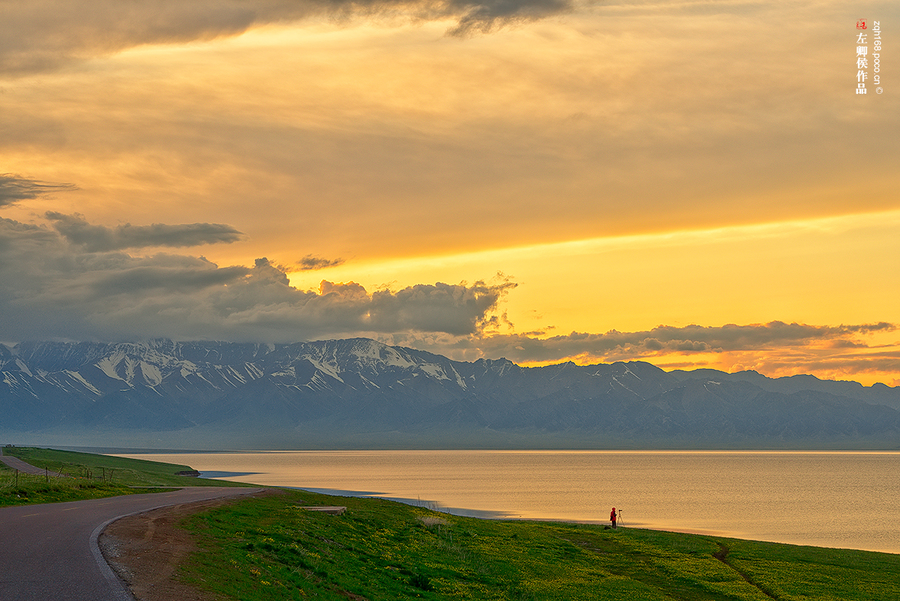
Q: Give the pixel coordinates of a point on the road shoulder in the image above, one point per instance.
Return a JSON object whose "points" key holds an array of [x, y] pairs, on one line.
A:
{"points": [[146, 550]]}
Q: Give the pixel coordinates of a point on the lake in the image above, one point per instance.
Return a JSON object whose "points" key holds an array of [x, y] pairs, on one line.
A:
{"points": [[828, 499]]}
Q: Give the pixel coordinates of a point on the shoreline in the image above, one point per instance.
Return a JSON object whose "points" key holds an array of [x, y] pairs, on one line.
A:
{"points": [[436, 475], [506, 516]]}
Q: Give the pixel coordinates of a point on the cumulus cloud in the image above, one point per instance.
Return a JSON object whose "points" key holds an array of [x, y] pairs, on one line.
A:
{"points": [[14, 188], [39, 35], [455, 309], [312, 263], [96, 238], [57, 287]]}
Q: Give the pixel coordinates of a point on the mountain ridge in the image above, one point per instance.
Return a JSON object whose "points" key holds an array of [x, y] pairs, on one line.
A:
{"points": [[362, 393]]}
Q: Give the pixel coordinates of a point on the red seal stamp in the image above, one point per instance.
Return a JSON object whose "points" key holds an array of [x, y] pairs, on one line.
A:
{"points": [[861, 24]]}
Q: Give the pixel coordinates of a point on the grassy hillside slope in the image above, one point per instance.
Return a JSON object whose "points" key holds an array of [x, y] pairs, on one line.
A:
{"points": [[73, 476], [273, 548]]}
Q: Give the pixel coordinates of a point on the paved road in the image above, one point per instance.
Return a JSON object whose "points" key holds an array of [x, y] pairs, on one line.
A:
{"points": [[50, 553], [17, 464]]}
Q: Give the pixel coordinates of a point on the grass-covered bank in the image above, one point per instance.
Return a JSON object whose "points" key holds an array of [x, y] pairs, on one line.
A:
{"points": [[272, 548], [73, 476]]}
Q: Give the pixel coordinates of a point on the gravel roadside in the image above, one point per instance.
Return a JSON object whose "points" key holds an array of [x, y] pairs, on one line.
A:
{"points": [[146, 550]]}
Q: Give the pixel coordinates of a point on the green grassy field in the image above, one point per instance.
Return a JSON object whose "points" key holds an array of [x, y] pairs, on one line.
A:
{"points": [[88, 476], [271, 548]]}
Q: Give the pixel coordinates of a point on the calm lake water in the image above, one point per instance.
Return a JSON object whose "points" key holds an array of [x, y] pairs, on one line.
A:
{"points": [[828, 499]]}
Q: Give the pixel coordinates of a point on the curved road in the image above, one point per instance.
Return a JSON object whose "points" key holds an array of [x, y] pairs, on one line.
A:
{"points": [[49, 552], [26, 468]]}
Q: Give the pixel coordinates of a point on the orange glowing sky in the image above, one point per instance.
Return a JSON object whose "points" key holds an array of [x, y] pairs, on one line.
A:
{"points": [[694, 184]]}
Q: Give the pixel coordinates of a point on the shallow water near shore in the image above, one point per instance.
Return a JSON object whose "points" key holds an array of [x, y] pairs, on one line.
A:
{"points": [[827, 499]]}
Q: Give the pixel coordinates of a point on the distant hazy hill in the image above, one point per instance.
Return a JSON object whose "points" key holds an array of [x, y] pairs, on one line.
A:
{"points": [[361, 393]]}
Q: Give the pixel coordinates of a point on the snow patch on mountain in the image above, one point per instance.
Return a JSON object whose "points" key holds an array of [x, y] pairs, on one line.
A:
{"points": [[375, 354], [22, 367], [330, 368], [77, 376], [207, 380], [151, 374], [109, 364], [288, 372], [459, 379], [188, 368], [628, 371], [616, 380], [367, 349], [237, 374], [435, 371], [12, 381], [130, 365]]}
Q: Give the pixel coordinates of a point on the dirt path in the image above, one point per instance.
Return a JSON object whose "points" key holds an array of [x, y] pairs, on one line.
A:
{"points": [[722, 555], [145, 550]]}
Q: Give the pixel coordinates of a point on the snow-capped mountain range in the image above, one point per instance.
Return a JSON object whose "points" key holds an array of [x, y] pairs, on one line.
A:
{"points": [[361, 393]]}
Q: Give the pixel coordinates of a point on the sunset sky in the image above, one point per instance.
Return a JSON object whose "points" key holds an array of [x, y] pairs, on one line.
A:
{"points": [[692, 184]]}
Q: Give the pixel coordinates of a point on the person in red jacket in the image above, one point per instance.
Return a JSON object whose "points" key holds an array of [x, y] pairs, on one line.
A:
{"points": [[612, 517]]}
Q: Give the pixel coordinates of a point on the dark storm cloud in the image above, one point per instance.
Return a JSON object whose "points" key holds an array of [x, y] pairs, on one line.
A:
{"points": [[95, 238], [311, 263], [14, 188], [454, 309], [40, 35], [158, 278], [56, 288], [343, 308]]}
